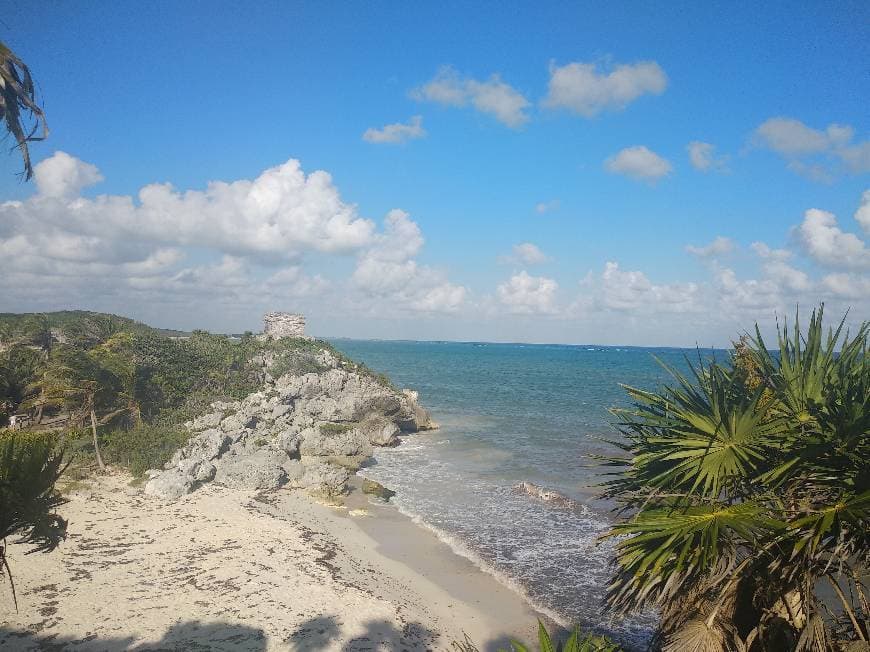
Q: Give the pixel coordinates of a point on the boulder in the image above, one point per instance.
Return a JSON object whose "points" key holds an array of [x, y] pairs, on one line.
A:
{"points": [[238, 421], [288, 441], [322, 477], [206, 421], [260, 470], [379, 431], [377, 490], [334, 439], [169, 485]]}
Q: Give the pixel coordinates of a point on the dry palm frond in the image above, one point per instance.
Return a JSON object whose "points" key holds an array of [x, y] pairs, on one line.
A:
{"points": [[815, 637], [696, 636], [18, 99]]}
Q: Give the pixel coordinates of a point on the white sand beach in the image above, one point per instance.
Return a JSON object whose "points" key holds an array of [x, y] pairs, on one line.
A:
{"points": [[225, 569]]}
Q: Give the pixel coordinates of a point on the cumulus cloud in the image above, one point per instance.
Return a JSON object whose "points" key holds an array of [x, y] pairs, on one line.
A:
{"points": [[526, 294], [387, 270], [584, 89], [721, 246], [239, 245], [814, 152], [279, 215], [848, 286], [526, 253], [638, 162], [764, 251], [547, 206], [703, 157], [826, 243], [397, 132], [632, 290], [493, 96], [64, 176]]}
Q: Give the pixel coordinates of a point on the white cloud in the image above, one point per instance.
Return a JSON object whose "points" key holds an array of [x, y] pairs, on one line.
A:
{"points": [[785, 276], [232, 249], [387, 270], [279, 215], [397, 132], [792, 137], [64, 176], [814, 153], [862, 215], [525, 294], [632, 290], [638, 162], [720, 246], [526, 253], [547, 206], [703, 157], [848, 286], [493, 96], [582, 89], [764, 251], [826, 243]]}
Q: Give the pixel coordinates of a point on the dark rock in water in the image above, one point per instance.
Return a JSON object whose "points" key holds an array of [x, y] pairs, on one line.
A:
{"points": [[377, 489], [546, 495]]}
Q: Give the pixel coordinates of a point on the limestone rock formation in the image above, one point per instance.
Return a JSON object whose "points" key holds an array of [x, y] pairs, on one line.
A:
{"points": [[306, 431]]}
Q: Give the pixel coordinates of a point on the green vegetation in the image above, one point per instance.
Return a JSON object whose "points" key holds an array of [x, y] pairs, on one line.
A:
{"points": [[120, 390], [143, 447], [745, 495], [30, 464], [335, 428], [575, 642]]}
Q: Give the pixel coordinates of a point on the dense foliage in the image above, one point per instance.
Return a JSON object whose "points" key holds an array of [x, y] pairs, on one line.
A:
{"points": [[120, 387], [746, 496]]}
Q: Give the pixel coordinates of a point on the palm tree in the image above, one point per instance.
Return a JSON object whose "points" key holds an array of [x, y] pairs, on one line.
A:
{"points": [[76, 382], [745, 495], [17, 102], [30, 464]]}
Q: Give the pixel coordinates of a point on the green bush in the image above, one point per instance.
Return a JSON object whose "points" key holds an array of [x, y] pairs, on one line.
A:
{"points": [[143, 447], [30, 464], [335, 428]]}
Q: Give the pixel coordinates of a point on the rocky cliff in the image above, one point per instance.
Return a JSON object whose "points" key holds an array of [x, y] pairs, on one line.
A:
{"points": [[307, 431]]}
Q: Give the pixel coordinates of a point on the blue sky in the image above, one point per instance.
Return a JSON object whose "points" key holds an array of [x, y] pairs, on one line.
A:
{"points": [[189, 93]]}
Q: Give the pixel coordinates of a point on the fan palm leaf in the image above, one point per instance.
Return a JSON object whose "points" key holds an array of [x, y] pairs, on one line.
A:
{"points": [[17, 101]]}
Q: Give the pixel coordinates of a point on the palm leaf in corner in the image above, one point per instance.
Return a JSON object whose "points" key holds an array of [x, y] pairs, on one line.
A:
{"points": [[18, 102]]}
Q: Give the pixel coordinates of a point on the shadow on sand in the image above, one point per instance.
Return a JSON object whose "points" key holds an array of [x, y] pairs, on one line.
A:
{"points": [[316, 634]]}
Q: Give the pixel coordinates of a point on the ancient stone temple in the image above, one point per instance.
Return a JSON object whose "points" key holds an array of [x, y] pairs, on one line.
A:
{"points": [[283, 324]]}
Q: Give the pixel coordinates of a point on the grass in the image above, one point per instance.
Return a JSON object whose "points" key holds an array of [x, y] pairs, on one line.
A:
{"points": [[335, 428]]}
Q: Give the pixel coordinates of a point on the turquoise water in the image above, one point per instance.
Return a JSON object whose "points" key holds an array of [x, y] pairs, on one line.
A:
{"points": [[513, 413]]}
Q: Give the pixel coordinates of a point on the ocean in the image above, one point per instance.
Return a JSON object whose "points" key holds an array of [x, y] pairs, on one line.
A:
{"points": [[514, 413]]}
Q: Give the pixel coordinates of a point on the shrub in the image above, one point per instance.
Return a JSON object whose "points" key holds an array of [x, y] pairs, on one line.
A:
{"points": [[335, 428], [143, 447], [30, 464], [744, 489]]}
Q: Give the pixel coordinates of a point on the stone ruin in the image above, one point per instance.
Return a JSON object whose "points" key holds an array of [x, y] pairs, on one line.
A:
{"points": [[283, 324]]}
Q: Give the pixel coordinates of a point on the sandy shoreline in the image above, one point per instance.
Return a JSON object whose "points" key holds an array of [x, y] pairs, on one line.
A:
{"points": [[225, 569]]}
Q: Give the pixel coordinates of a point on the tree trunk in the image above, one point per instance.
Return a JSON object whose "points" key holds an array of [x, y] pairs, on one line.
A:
{"points": [[96, 441]]}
